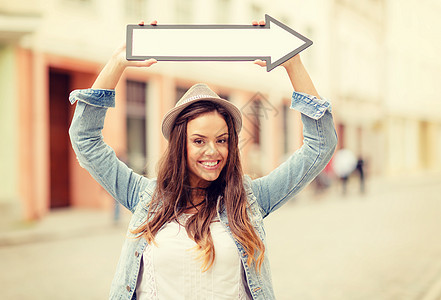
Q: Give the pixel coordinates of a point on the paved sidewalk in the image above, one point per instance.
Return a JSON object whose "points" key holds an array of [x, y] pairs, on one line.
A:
{"points": [[384, 245], [62, 224]]}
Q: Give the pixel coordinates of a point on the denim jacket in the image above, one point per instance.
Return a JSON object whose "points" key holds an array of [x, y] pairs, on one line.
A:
{"points": [[134, 191]]}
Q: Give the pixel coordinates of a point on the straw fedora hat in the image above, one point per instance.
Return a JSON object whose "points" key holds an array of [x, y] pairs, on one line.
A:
{"points": [[199, 92]]}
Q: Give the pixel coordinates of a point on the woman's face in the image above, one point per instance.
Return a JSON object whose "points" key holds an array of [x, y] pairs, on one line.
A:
{"points": [[207, 148]]}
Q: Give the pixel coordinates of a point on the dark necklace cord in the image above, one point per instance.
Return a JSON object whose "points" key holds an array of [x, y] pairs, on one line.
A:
{"points": [[199, 191], [198, 188], [195, 205]]}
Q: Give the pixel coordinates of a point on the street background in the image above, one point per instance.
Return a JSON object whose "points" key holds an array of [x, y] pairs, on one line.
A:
{"points": [[383, 245]]}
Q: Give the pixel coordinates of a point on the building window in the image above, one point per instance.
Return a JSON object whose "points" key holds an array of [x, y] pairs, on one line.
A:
{"points": [[136, 126]]}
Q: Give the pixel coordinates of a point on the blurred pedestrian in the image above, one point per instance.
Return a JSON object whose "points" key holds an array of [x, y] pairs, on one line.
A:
{"points": [[360, 169], [197, 230], [344, 163]]}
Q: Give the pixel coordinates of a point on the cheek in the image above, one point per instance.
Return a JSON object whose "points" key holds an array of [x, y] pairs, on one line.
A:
{"points": [[189, 153], [188, 150], [224, 152], [192, 153]]}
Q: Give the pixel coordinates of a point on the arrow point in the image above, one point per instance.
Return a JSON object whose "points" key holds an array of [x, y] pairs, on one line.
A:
{"points": [[285, 42]]}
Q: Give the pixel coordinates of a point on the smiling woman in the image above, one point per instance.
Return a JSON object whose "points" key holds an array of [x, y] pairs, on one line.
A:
{"points": [[197, 229], [200, 170]]}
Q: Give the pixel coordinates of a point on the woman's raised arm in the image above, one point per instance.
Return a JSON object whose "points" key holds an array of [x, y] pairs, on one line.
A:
{"points": [[86, 132], [320, 140]]}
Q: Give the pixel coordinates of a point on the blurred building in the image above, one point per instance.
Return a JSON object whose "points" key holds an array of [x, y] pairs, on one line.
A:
{"points": [[375, 59], [386, 69]]}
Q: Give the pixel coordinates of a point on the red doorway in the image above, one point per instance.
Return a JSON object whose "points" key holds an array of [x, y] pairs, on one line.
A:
{"points": [[59, 111]]}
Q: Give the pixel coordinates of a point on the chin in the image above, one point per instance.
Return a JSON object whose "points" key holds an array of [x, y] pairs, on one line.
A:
{"points": [[210, 179]]}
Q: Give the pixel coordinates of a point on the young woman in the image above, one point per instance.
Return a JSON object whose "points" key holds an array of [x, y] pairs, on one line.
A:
{"points": [[197, 229]]}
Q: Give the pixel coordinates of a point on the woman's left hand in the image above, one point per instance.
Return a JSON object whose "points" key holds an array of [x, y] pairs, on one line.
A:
{"points": [[286, 64], [259, 62]]}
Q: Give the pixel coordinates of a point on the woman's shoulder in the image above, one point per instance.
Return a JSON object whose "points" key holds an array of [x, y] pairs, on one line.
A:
{"points": [[246, 182], [145, 195], [148, 186], [249, 188]]}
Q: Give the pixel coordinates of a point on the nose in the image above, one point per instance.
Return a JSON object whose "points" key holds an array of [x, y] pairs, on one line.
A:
{"points": [[211, 149]]}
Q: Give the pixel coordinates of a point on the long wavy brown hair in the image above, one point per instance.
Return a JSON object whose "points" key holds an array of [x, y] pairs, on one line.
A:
{"points": [[173, 193]]}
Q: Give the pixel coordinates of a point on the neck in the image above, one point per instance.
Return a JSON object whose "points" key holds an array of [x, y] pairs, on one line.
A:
{"points": [[197, 199], [198, 183], [198, 195]]}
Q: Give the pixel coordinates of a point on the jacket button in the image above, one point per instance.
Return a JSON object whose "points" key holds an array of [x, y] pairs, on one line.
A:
{"points": [[128, 288], [136, 253]]}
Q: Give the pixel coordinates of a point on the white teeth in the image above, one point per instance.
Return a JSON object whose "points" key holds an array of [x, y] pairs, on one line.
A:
{"points": [[210, 164]]}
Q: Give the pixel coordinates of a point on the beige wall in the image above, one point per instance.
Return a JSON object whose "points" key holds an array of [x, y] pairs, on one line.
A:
{"points": [[413, 69], [9, 176]]}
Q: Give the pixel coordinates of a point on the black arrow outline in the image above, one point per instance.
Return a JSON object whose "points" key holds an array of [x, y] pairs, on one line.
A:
{"points": [[268, 21]]}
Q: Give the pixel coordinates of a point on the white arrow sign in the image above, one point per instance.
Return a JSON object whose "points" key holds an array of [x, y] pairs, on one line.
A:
{"points": [[275, 42]]}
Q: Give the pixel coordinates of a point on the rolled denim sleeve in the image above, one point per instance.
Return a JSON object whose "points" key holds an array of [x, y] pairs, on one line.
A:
{"points": [[94, 97], [319, 143], [94, 154], [310, 106]]}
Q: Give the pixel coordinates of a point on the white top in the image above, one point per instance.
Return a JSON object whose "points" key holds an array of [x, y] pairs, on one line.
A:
{"points": [[171, 270]]}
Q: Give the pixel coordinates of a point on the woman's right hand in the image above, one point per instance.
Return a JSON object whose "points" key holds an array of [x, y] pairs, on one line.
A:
{"points": [[120, 57], [120, 54], [112, 71]]}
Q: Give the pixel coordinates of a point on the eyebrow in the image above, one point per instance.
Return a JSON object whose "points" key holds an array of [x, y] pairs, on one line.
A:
{"points": [[203, 136]]}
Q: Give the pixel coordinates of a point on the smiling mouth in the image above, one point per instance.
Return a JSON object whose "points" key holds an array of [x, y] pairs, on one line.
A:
{"points": [[210, 164]]}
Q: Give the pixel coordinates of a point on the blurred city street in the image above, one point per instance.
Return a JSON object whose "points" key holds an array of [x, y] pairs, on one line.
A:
{"points": [[383, 245], [377, 62]]}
